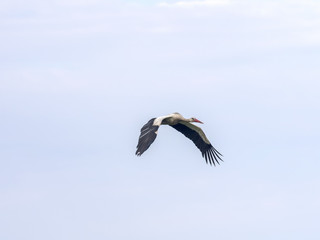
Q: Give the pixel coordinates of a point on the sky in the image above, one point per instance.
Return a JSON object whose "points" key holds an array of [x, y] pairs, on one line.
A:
{"points": [[79, 78]]}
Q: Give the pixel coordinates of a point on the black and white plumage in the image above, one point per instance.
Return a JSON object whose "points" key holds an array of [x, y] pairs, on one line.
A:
{"points": [[150, 130]]}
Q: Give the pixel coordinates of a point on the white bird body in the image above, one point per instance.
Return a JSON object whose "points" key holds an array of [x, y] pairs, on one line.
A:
{"points": [[170, 119], [150, 130]]}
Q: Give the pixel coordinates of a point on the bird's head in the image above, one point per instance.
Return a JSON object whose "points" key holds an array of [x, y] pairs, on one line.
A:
{"points": [[196, 120]]}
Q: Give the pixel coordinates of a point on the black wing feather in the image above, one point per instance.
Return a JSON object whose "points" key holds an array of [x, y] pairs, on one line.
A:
{"points": [[147, 137], [210, 154]]}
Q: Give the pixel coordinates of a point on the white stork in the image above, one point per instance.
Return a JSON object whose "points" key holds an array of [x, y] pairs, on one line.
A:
{"points": [[150, 130]]}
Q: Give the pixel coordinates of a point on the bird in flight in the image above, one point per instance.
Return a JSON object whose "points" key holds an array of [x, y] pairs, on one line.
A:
{"points": [[150, 130]]}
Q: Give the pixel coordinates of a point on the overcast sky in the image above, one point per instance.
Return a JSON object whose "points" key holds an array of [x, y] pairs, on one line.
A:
{"points": [[79, 79]]}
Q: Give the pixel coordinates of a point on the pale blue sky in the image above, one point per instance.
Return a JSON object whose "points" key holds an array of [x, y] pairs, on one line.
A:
{"points": [[80, 78]]}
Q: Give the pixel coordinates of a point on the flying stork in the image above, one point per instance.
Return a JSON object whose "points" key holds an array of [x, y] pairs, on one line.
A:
{"points": [[150, 130]]}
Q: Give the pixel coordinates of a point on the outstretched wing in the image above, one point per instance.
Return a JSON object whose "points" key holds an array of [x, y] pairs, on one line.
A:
{"points": [[147, 136], [197, 136]]}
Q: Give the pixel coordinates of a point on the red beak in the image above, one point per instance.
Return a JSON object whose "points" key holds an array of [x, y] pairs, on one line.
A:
{"points": [[196, 120]]}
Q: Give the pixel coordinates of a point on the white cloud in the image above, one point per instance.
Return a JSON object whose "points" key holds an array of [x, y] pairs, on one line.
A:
{"points": [[206, 3]]}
